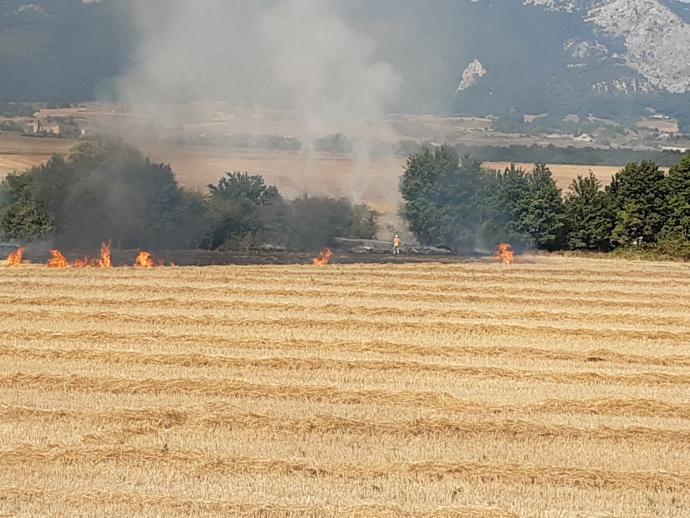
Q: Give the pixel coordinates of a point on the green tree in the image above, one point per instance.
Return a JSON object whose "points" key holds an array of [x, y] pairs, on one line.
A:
{"points": [[640, 199], [419, 183], [315, 222], [245, 212], [541, 214], [445, 198], [506, 192], [364, 222], [104, 189], [590, 215], [678, 185], [25, 221]]}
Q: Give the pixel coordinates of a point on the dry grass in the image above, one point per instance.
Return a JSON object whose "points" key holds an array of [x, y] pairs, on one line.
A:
{"points": [[566, 173], [20, 153], [553, 387]]}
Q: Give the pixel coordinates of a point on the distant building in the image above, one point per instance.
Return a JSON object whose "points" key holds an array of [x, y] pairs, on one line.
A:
{"points": [[675, 148], [39, 128], [584, 138]]}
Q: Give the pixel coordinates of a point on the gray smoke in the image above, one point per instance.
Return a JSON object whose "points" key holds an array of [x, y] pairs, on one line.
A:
{"points": [[300, 55]]}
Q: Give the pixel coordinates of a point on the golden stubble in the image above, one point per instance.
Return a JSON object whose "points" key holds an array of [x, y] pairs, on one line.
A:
{"points": [[553, 386]]}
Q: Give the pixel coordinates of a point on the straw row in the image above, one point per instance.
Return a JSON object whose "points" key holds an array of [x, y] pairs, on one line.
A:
{"points": [[193, 506], [152, 420], [328, 394], [466, 327], [469, 471], [343, 310], [207, 341], [316, 363]]}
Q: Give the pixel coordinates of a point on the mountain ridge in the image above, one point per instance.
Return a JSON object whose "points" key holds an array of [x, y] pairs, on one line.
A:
{"points": [[618, 59]]}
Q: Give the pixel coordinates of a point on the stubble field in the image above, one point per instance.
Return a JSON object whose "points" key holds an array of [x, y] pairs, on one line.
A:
{"points": [[554, 387]]}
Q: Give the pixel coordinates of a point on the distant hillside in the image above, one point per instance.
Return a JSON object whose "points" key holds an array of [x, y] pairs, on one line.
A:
{"points": [[617, 59], [60, 50]]}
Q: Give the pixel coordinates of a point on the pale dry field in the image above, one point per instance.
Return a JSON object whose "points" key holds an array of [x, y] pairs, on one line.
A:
{"points": [[564, 174], [553, 387], [21, 153], [374, 179]]}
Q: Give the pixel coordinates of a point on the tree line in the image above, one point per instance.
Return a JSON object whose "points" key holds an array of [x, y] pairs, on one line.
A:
{"points": [[452, 201], [105, 189], [550, 154]]}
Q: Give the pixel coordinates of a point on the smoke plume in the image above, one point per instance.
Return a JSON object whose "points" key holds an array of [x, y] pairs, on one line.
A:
{"points": [[305, 56]]}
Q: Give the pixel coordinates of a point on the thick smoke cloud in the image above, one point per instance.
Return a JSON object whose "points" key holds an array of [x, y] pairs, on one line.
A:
{"points": [[302, 55], [298, 54], [325, 65]]}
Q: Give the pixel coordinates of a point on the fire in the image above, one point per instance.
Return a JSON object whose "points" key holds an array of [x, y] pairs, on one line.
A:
{"points": [[505, 254], [58, 260], [16, 258], [325, 257], [82, 263], [106, 255], [145, 260]]}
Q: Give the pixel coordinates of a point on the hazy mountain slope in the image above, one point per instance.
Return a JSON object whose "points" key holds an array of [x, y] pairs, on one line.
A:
{"points": [[615, 58], [59, 50]]}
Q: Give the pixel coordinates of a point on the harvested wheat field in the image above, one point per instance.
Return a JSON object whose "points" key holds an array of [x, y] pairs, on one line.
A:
{"points": [[554, 387]]}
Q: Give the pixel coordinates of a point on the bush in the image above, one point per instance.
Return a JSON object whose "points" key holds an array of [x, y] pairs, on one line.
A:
{"points": [[590, 215], [364, 222], [336, 143], [245, 213], [103, 190], [667, 249], [25, 221], [639, 194], [674, 247], [11, 126], [315, 222], [444, 198]]}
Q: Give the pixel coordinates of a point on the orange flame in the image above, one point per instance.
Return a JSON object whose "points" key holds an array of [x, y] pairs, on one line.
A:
{"points": [[82, 263], [325, 257], [58, 260], [106, 255], [504, 254], [145, 260], [16, 258]]}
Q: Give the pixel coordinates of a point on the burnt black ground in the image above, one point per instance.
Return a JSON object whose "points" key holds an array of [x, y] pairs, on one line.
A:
{"points": [[211, 258]]}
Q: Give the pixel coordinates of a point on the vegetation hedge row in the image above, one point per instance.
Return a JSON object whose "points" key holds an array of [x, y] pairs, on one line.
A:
{"points": [[453, 202], [105, 189]]}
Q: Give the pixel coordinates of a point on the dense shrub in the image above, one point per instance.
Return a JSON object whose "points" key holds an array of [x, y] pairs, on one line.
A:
{"points": [[104, 189], [639, 194], [590, 215], [314, 222], [455, 203], [244, 212]]}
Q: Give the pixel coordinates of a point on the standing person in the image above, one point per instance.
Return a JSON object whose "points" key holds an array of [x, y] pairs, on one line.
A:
{"points": [[397, 243]]}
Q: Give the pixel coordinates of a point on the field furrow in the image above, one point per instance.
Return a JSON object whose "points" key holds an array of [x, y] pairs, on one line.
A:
{"points": [[194, 506], [206, 464], [556, 386], [334, 322], [315, 363], [147, 420], [269, 345]]}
